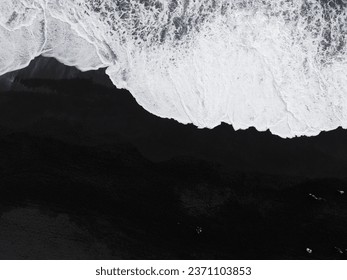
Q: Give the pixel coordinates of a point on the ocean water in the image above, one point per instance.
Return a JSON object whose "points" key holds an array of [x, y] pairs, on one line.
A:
{"points": [[277, 65]]}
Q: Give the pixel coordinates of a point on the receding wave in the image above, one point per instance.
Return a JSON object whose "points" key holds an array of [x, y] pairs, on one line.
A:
{"points": [[278, 65]]}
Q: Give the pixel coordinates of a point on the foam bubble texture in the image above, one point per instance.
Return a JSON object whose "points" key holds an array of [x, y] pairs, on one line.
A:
{"points": [[278, 65]]}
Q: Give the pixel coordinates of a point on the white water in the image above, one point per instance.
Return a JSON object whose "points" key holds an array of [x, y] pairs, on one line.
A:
{"points": [[278, 65]]}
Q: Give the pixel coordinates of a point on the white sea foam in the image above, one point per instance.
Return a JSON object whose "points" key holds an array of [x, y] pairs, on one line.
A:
{"points": [[278, 65]]}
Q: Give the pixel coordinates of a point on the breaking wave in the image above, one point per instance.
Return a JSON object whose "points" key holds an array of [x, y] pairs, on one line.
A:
{"points": [[277, 65]]}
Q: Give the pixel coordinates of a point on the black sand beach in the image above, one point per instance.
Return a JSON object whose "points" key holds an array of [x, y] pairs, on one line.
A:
{"points": [[86, 173]]}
